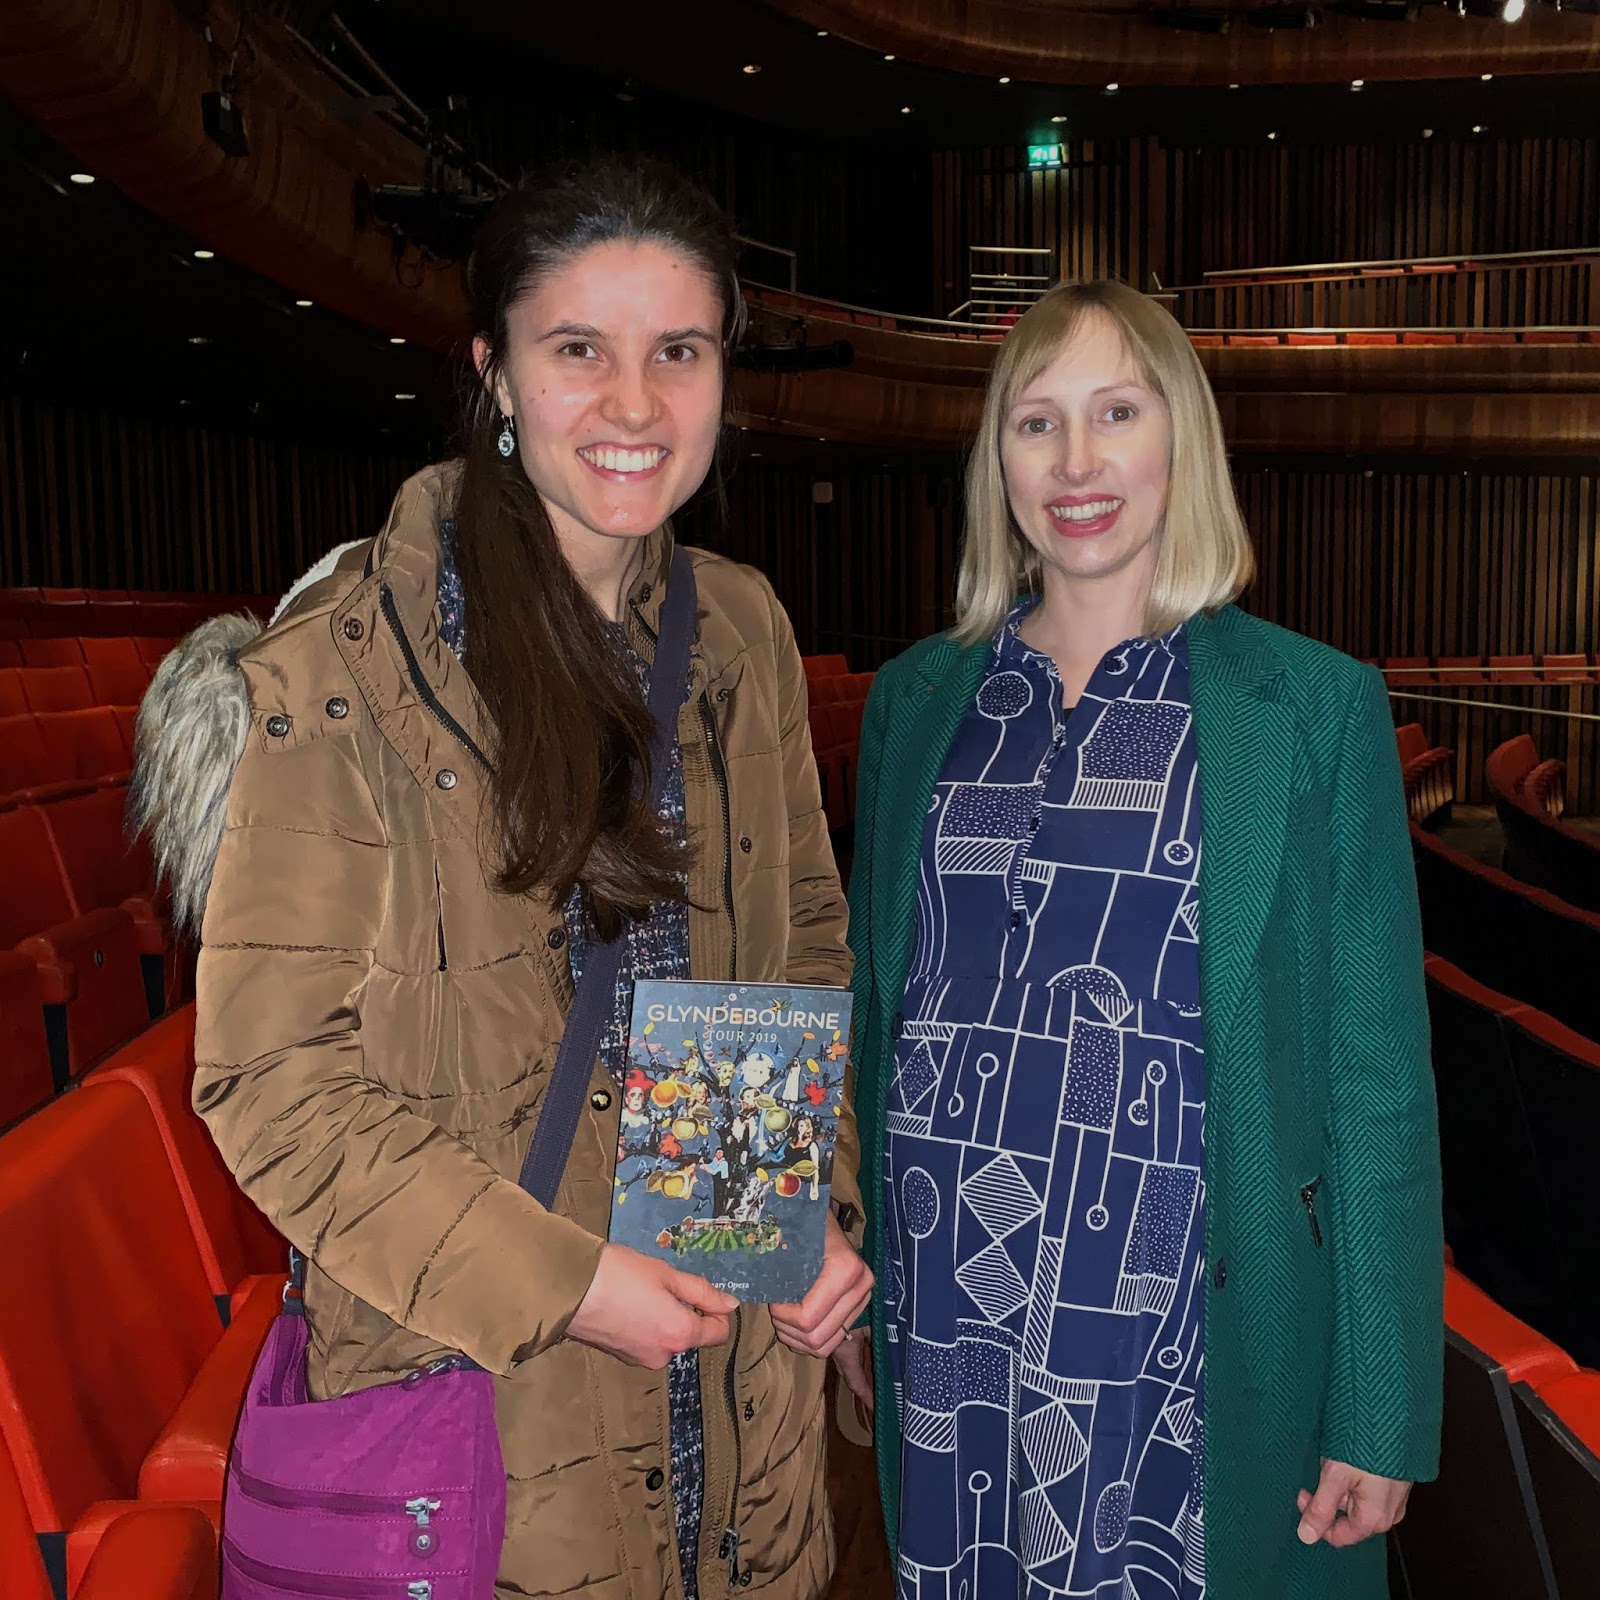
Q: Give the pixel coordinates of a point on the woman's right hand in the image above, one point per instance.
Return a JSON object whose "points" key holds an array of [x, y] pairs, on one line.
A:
{"points": [[644, 1312]]}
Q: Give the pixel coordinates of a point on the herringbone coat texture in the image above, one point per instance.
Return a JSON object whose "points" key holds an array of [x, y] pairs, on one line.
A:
{"points": [[1317, 1066]]}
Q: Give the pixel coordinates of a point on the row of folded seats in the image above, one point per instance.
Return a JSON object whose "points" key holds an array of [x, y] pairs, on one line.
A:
{"points": [[1540, 849], [1428, 772], [140, 1285], [38, 614], [838, 699], [1402, 672], [113, 672]]}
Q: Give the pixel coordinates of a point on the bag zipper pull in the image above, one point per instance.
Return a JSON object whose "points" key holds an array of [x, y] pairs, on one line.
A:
{"points": [[1308, 1198], [419, 1591], [421, 1508]]}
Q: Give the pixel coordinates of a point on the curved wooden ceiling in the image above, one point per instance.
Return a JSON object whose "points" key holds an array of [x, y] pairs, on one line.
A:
{"points": [[1115, 41]]}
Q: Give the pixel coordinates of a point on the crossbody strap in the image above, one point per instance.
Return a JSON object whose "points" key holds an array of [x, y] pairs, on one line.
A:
{"points": [[563, 1102]]}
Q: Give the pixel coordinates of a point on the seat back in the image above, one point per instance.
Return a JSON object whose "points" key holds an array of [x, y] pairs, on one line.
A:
{"points": [[57, 688], [25, 1079], [103, 866], [1556, 1078], [1508, 764], [1472, 1531], [824, 667], [152, 648], [1560, 1429], [1411, 741], [26, 760], [85, 744], [13, 700], [51, 653], [1496, 1216], [108, 1314], [33, 892], [233, 1238], [116, 673], [22, 1570]]}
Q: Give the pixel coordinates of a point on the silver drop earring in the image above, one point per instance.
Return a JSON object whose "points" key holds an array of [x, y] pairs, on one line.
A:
{"points": [[507, 442]]}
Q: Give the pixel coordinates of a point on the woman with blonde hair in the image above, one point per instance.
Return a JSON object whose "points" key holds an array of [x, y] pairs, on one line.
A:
{"points": [[1141, 1034]]}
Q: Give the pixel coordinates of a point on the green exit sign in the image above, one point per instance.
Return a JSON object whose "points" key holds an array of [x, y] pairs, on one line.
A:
{"points": [[1044, 155]]}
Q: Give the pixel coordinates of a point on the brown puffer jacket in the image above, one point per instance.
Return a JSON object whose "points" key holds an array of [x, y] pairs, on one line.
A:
{"points": [[376, 1023]]}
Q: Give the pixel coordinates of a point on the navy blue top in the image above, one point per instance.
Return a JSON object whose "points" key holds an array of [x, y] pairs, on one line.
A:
{"points": [[1044, 1210]]}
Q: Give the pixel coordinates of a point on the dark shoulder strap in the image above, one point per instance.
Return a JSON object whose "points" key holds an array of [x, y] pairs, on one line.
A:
{"points": [[591, 1005]]}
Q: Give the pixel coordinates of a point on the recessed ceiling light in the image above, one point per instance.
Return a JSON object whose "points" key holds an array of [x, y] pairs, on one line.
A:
{"points": [[905, 111], [822, 33], [1005, 80], [1058, 119], [752, 69], [85, 178], [305, 305], [1111, 88], [205, 255], [1358, 83], [1233, 86], [1272, 136], [1477, 127], [405, 397], [1427, 133], [1488, 77], [397, 341], [198, 338], [888, 58]]}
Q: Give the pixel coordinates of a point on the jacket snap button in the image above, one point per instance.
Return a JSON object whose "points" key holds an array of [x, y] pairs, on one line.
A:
{"points": [[556, 938], [644, 593], [99, 958], [337, 707], [277, 727], [446, 779], [745, 845], [722, 694], [1220, 1276], [600, 1100], [353, 628], [655, 1478]]}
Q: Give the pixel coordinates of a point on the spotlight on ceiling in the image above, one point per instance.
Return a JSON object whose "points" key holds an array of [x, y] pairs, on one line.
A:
{"points": [[1488, 77], [82, 178], [405, 397], [1358, 83], [1477, 127], [751, 70], [304, 305], [1058, 119], [1111, 88], [1005, 80], [1514, 9], [905, 111], [205, 255], [1272, 136]]}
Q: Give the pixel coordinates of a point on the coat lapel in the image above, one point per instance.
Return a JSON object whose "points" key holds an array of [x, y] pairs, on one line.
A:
{"points": [[1246, 733], [938, 696]]}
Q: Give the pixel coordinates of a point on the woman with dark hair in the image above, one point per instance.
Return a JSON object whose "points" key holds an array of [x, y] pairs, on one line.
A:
{"points": [[436, 808]]}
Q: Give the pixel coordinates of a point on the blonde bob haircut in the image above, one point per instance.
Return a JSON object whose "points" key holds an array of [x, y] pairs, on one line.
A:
{"points": [[1203, 556]]}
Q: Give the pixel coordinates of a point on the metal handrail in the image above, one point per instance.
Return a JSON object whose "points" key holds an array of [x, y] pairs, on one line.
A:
{"points": [[1326, 271], [1494, 705]]}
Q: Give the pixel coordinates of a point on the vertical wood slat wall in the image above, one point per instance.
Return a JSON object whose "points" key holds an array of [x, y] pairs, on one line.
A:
{"points": [[1130, 208], [105, 500]]}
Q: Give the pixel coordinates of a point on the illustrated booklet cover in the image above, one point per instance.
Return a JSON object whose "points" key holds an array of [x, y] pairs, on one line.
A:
{"points": [[730, 1117]]}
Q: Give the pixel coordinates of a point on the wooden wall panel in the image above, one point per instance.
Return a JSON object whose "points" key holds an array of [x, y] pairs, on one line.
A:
{"points": [[1129, 208]]}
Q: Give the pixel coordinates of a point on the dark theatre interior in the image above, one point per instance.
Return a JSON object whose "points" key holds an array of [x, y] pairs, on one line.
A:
{"points": [[235, 325]]}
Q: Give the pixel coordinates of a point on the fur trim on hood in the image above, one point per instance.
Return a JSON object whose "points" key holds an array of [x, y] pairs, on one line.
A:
{"points": [[191, 731]]}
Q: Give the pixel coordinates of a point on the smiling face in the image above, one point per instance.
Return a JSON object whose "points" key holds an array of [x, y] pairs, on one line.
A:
{"points": [[1087, 454], [613, 372]]}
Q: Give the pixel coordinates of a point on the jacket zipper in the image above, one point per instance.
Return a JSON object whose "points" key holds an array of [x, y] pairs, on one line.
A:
{"points": [[424, 690], [730, 1537], [1308, 1198], [286, 1581], [719, 771]]}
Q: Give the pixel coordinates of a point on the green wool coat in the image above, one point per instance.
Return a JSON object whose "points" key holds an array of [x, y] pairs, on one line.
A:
{"points": [[1317, 1070]]}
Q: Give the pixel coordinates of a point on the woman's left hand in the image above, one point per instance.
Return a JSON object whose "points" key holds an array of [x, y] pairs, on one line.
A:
{"points": [[1371, 1505], [817, 1326]]}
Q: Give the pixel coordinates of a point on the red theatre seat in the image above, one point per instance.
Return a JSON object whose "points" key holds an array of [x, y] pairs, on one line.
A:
{"points": [[87, 744], [88, 964], [1305, 340], [116, 673], [235, 1241], [108, 1319], [57, 688], [144, 1552], [25, 1080], [13, 701], [51, 653], [1371, 340], [1526, 1356]]}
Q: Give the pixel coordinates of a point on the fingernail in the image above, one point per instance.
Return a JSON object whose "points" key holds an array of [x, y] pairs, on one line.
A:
{"points": [[1308, 1534]]}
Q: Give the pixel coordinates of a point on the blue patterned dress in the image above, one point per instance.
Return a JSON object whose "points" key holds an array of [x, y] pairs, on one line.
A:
{"points": [[1043, 1200]]}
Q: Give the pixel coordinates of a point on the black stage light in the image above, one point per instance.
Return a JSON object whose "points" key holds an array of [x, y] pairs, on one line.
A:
{"points": [[224, 122], [1380, 10], [439, 221], [795, 357]]}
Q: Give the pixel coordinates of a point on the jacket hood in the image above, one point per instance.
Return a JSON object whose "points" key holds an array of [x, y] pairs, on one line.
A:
{"points": [[189, 736]]}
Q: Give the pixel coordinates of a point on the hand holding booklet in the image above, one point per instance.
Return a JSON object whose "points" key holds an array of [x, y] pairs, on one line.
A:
{"points": [[730, 1120]]}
